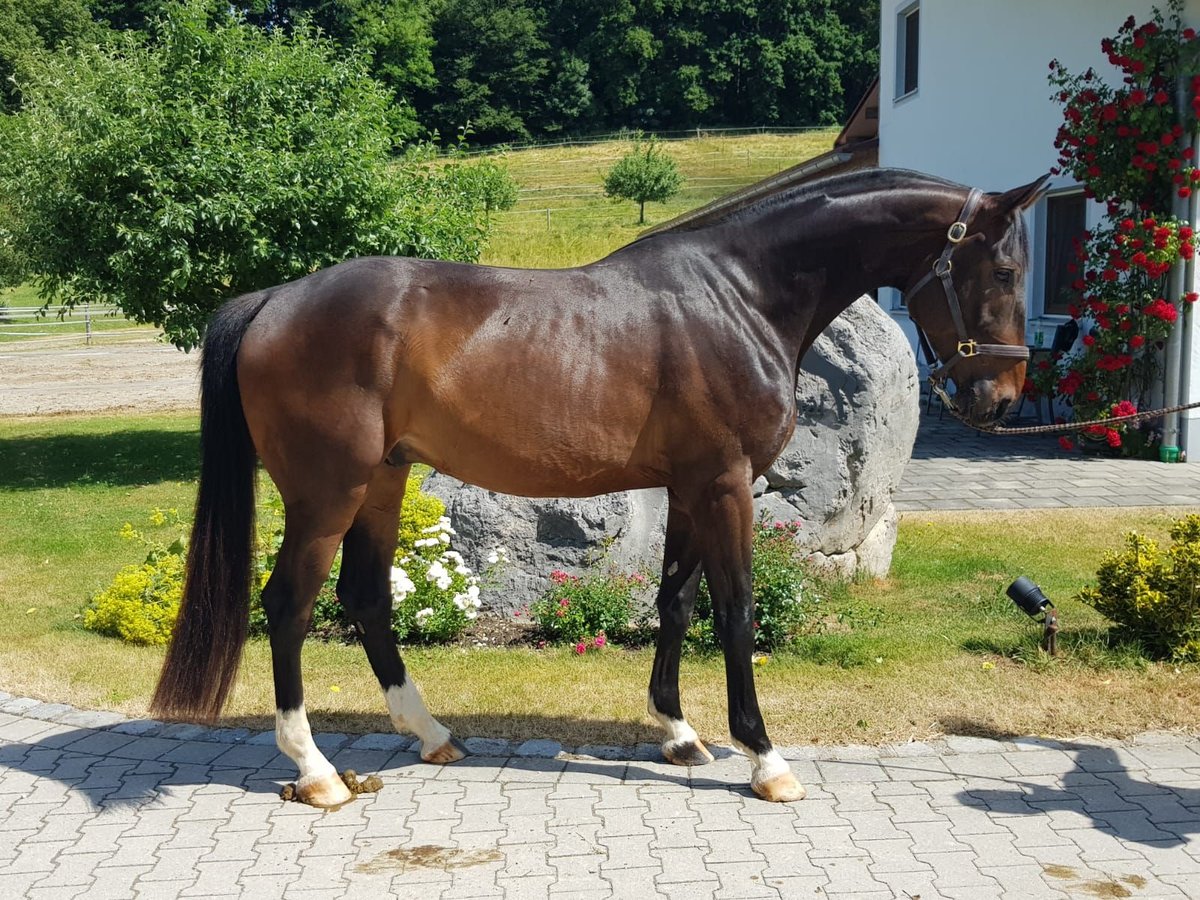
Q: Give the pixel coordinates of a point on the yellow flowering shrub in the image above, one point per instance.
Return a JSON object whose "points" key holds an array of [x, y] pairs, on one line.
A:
{"points": [[420, 512], [1152, 596], [141, 603]]}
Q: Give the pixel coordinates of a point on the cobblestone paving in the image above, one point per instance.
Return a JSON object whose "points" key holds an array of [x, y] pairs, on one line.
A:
{"points": [[953, 467], [93, 805]]}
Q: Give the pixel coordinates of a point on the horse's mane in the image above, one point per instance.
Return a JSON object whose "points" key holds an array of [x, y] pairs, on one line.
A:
{"points": [[792, 186]]}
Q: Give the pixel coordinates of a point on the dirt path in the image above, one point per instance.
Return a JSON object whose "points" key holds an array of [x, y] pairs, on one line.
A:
{"points": [[132, 375]]}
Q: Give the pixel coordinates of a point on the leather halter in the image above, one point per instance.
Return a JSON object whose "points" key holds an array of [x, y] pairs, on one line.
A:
{"points": [[942, 267]]}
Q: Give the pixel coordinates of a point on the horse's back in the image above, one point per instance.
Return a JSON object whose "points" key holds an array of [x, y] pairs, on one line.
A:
{"points": [[526, 381]]}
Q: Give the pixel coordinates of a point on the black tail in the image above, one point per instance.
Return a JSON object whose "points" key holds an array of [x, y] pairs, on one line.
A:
{"points": [[207, 644]]}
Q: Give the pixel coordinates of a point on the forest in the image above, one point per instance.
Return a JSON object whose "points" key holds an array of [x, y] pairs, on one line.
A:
{"points": [[528, 70]]}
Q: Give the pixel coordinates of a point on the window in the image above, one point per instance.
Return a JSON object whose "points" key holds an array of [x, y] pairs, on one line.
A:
{"points": [[1066, 219], [908, 46]]}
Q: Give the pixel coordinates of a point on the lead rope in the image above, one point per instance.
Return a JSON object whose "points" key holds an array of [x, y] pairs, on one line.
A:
{"points": [[948, 403]]}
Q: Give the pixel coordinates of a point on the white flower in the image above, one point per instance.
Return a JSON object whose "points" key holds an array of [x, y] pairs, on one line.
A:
{"points": [[425, 542], [402, 585], [493, 558], [436, 571], [453, 555], [462, 570], [462, 601], [444, 538], [471, 614], [473, 596], [423, 614]]}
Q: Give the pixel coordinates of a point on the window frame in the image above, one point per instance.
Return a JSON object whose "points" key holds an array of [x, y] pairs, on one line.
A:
{"points": [[1049, 306], [903, 55]]}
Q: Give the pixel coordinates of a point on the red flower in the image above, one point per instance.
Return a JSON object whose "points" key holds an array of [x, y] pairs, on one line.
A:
{"points": [[1136, 341], [1124, 408], [1137, 96], [1189, 34], [1160, 98], [1065, 443], [1191, 297], [1161, 309], [1088, 340], [1113, 438]]}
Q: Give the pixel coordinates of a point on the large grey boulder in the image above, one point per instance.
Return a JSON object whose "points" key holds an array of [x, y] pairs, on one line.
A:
{"points": [[858, 404]]}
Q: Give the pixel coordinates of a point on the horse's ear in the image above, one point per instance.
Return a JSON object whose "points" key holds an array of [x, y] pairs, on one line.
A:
{"points": [[1022, 197]]}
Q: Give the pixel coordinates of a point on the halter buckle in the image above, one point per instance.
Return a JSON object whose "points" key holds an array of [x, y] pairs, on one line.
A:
{"points": [[943, 266], [957, 232], [967, 349]]}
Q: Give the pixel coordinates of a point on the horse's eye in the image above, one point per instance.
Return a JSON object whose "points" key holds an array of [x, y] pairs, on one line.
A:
{"points": [[1004, 276]]}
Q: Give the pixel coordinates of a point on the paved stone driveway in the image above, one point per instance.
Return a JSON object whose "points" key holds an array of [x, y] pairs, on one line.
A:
{"points": [[94, 806], [953, 467]]}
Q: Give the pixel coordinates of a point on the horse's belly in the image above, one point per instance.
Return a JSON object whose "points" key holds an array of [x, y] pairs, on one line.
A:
{"points": [[534, 455]]}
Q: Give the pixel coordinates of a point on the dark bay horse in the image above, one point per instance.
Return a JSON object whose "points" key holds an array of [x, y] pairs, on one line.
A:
{"points": [[671, 363]]}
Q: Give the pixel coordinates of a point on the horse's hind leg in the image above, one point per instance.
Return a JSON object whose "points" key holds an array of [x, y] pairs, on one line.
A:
{"points": [[312, 530], [727, 511], [364, 588], [676, 598]]}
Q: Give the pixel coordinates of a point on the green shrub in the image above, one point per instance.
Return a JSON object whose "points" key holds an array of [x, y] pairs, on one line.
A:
{"points": [[786, 603], [1154, 599], [141, 603], [577, 609]]}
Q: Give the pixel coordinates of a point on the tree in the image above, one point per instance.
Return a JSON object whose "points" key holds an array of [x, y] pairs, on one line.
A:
{"points": [[29, 26], [165, 174], [489, 183], [645, 173], [491, 62]]}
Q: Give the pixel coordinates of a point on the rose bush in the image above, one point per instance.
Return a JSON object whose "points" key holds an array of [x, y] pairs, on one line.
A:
{"points": [[1129, 145]]}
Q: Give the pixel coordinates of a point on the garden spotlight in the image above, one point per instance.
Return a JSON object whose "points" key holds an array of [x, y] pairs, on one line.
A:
{"points": [[1029, 597]]}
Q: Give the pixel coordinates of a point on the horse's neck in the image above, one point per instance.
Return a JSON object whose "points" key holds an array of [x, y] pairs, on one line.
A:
{"points": [[820, 257]]}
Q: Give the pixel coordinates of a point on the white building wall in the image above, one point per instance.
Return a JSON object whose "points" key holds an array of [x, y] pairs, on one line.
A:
{"points": [[982, 113]]}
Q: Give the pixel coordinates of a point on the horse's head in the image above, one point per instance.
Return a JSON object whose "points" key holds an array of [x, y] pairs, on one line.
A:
{"points": [[969, 299]]}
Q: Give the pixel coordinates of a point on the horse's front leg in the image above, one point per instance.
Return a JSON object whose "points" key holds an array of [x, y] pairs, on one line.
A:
{"points": [[727, 510], [676, 599]]}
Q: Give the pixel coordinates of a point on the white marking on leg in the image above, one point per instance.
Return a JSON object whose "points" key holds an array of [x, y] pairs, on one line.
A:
{"points": [[764, 766], [408, 713], [678, 730], [294, 738]]}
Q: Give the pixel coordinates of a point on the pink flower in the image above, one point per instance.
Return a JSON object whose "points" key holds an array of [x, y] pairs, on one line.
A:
{"points": [[601, 640], [581, 648], [558, 576]]}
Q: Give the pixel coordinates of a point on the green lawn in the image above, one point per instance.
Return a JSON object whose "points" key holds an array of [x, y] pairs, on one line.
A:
{"points": [[936, 647], [562, 217]]}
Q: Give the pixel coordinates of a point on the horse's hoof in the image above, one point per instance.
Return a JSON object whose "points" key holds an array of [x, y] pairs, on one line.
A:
{"points": [[323, 791], [687, 753], [450, 752], [783, 788]]}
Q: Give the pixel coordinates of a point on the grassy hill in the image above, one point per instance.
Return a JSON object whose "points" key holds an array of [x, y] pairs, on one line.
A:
{"points": [[562, 217]]}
